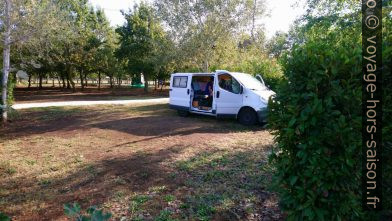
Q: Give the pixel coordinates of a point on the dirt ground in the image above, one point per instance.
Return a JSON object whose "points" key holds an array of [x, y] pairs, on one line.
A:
{"points": [[137, 162], [49, 94]]}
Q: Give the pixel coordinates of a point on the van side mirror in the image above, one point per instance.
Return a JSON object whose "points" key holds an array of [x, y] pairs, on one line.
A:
{"points": [[241, 90]]}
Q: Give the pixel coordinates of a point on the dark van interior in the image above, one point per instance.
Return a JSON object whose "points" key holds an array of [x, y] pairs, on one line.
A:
{"points": [[203, 93]]}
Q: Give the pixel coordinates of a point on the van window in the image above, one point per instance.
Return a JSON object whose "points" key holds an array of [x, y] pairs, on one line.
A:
{"points": [[228, 83], [180, 81]]}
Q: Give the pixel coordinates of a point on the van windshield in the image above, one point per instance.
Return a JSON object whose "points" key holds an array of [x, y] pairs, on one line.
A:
{"points": [[250, 82]]}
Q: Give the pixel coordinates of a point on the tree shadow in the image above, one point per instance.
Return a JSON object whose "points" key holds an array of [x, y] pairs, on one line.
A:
{"points": [[150, 121], [92, 94], [229, 186], [211, 185], [92, 184], [98, 181]]}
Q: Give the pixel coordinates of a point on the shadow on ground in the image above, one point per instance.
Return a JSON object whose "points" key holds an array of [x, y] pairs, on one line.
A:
{"points": [[198, 179], [211, 185], [151, 120]]}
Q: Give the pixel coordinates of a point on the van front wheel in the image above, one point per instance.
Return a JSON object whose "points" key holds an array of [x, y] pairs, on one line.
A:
{"points": [[247, 116], [183, 113]]}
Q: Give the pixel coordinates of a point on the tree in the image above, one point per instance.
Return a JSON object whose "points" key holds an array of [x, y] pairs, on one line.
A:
{"points": [[142, 42], [20, 21], [6, 58], [197, 27], [278, 44]]}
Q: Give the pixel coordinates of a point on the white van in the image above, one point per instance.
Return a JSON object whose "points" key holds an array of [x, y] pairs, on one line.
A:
{"points": [[220, 94]]}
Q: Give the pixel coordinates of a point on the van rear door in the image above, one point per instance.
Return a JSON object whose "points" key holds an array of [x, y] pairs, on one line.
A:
{"points": [[180, 91]]}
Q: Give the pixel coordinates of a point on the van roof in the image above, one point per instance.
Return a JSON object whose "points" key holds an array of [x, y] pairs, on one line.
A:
{"points": [[192, 73], [211, 73]]}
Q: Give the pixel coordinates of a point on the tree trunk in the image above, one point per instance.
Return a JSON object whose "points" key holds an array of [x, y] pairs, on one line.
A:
{"points": [[63, 79], [40, 81], [205, 66], [99, 80], [29, 82], [145, 84], [85, 78], [253, 21], [71, 84], [53, 81], [111, 82], [81, 78], [6, 59]]}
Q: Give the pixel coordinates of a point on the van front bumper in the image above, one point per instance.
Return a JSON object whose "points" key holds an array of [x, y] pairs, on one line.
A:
{"points": [[262, 115]]}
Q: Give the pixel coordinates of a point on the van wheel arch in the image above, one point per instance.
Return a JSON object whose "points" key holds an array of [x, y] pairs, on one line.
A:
{"points": [[247, 116]]}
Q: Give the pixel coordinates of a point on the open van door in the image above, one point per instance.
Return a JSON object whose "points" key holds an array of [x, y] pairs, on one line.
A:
{"points": [[180, 91], [258, 77]]}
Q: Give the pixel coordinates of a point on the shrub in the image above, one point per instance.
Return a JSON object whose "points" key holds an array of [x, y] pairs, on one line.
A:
{"points": [[387, 107], [316, 118], [74, 211], [254, 62], [4, 217]]}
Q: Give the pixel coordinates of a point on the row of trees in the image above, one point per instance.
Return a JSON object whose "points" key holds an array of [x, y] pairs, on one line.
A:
{"points": [[62, 39], [70, 41], [74, 41]]}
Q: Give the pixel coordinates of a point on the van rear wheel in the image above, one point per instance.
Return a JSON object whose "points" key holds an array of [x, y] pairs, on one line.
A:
{"points": [[247, 116], [183, 113]]}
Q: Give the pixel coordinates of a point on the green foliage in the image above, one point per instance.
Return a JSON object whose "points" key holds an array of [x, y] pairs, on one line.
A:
{"points": [[92, 213], [278, 44], [165, 215], [143, 43], [317, 121], [387, 107], [205, 31], [316, 116], [247, 58], [4, 217]]}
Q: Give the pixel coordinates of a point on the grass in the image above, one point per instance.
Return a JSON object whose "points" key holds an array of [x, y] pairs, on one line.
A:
{"points": [[139, 162]]}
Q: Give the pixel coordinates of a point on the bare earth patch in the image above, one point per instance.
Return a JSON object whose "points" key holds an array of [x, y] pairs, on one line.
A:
{"points": [[138, 162]]}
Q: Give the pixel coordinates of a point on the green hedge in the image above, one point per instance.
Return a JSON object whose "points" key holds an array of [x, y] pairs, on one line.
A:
{"points": [[316, 119], [387, 108]]}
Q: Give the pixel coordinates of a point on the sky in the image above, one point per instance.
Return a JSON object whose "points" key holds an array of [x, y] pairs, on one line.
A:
{"points": [[281, 13]]}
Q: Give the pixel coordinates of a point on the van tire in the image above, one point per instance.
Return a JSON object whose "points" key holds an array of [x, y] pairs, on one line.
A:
{"points": [[183, 113], [247, 116]]}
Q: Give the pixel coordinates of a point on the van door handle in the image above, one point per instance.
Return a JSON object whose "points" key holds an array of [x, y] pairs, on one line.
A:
{"points": [[187, 91], [217, 94]]}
